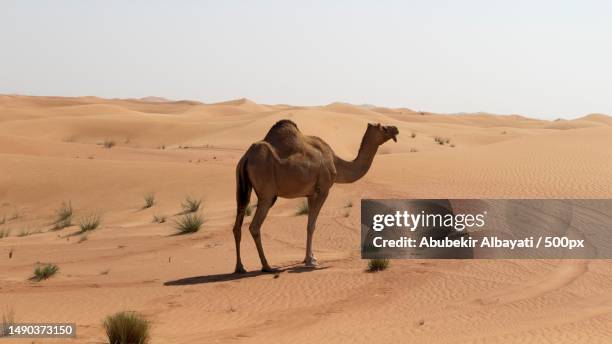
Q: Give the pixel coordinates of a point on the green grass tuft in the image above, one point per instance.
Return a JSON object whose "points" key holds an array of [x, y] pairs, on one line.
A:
{"points": [[248, 210], [189, 223], [191, 205], [89, 222], [378, 264], [126, 328], [302, 208], [42, 272], [149, 200], [63, 216]]}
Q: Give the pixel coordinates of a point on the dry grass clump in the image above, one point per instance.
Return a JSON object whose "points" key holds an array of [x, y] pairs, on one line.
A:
{"points": [[302, 208], [4, 233], [149, 200], [83, 238], [189, 223], [42, 272], [89, 222], [126, 328], [8, 319], [63, 216], [191, 205], [248, 210], [159, 218], [378, 264], [441, 140], [108, 143]]}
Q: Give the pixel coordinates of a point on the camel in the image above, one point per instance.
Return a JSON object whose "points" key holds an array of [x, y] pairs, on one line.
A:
{"points": [[288, 164]]}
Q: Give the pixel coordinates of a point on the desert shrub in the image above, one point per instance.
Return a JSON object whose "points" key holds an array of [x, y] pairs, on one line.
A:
{"points": [[248, 210], [378, 264], [108, 143], [302, 208], [191, 205], [126, 328], [189, 223], [8, 319], [63, 216], [4, 233], [89, 222], [159, 218], [26, 232], [349, 204], [149, 200], [42, 272]]}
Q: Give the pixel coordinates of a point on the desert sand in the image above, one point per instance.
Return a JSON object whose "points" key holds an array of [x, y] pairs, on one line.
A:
{"points": [[51, 152]]}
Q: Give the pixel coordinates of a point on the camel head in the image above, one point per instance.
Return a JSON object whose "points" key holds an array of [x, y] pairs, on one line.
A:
{"points": [[382, 133]]}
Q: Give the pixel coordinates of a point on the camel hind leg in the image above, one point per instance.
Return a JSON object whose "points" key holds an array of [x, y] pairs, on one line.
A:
{"points": [[263, 205], [243, 196]]}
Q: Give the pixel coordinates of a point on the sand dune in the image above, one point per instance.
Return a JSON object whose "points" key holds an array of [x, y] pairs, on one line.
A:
{"points": [[51, 151]]}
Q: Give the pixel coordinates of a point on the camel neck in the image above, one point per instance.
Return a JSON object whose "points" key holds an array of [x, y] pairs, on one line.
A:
{"points": [[351, 171]]}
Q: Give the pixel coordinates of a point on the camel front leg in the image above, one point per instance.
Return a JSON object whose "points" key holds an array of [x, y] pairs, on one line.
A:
{"points": [[260, 214], [315, 202]]}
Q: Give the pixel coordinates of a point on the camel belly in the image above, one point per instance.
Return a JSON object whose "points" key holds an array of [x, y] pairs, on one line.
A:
{"points": [[298, 180]]}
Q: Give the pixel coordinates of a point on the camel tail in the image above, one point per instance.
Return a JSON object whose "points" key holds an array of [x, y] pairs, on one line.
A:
{"points": [[243, 186]]}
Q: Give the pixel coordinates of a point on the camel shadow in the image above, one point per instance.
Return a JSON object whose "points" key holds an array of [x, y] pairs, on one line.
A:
{"points": [[233, 276]]}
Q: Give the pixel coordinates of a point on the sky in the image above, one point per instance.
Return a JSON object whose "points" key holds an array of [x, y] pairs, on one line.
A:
{"points": [[544, 59]]}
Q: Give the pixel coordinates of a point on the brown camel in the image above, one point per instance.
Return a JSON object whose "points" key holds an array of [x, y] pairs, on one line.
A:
{"points": [[290, 165]]}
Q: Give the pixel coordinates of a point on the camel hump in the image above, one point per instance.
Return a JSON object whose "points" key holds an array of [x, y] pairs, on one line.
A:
{"points": [[285, 137]]}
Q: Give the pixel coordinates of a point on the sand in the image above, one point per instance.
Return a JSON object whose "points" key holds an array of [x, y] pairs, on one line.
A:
{"points": [[51, 151]]}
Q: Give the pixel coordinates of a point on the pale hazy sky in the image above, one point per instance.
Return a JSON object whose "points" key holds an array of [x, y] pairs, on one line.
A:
{"points": [[544, 59]]}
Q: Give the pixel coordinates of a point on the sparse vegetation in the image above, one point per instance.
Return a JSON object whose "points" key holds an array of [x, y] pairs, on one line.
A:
{"points": [[248, 210], [302, 208], [89, 222], [149, 199], [349, 204], [159, 218], [82, 238], [441, 140], [378, 264], [15, 215], [63, 216], [189, 223], [108, 143], [4, 233], [26, 232], [191, 205], [43, 272], [8, 319], [126, 328]]}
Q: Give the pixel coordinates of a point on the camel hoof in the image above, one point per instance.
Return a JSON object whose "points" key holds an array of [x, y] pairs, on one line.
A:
{"points": [[312, 262], [269, 269], [240, 270]]}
